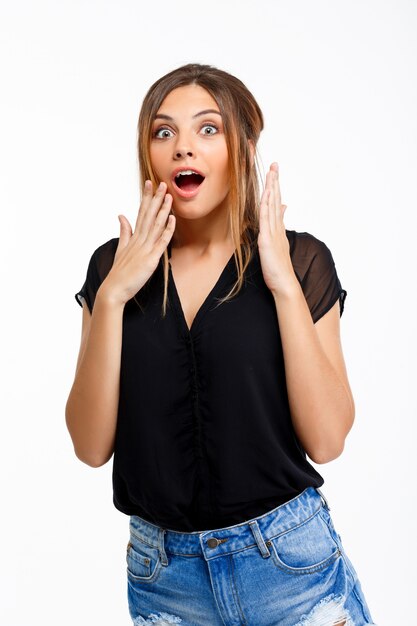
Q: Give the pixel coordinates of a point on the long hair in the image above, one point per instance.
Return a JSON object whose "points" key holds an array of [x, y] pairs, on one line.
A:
{"points": [[242, 121]]}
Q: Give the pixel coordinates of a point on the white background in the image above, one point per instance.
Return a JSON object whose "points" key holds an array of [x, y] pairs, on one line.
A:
{"points": [[337, 85]]}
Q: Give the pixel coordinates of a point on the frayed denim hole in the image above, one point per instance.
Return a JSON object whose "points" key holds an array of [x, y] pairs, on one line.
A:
{"points": [[330, 611], [157, 619]]}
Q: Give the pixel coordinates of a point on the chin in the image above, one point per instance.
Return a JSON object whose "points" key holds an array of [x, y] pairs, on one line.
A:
{"points": [[190, 214], [191, 209]]}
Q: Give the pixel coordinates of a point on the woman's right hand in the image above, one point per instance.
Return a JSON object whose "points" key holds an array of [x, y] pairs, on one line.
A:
{"points": [[137, 255]]}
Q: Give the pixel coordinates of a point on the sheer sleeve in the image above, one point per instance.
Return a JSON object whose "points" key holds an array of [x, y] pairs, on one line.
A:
{"points": [[316, 271], [99, 266]]}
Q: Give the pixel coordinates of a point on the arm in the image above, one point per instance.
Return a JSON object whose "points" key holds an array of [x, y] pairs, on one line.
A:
{"points": [[92, 406], [320, 399], [91, 409]]}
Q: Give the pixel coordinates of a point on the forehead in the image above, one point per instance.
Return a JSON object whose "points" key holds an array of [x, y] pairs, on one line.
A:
{"points": [[187, 100]]}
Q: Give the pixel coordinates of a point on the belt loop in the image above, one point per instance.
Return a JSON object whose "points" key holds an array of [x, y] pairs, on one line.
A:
{"points": [[161, 546], [259, 539], [323, 498]]}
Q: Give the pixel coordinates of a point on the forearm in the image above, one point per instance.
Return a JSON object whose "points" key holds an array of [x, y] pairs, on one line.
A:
{"points": [[321, 408], [92, 405]]}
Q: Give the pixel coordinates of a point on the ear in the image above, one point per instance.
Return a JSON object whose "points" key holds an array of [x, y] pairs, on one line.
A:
{"points": [[252, 151]]}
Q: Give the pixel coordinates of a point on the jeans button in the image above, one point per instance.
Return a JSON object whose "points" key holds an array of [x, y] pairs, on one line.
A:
{"points": [[213, 542]]}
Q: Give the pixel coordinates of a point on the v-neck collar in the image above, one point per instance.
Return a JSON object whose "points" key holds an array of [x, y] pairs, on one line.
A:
{"points": [[206, 303]]}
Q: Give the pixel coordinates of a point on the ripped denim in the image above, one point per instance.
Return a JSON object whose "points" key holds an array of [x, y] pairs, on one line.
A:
{"points": [[287, 567]]}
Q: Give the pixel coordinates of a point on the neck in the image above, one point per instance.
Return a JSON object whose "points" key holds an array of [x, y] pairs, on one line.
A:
{"points": [[202, 234]]}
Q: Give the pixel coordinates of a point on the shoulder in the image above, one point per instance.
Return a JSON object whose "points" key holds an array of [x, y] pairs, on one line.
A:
{"points": [[304, 242], [316, 271], [306, 249], [107, 247], [104, 256]]}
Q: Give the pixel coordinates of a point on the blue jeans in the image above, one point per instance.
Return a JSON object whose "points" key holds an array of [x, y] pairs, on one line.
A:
{"points": [[285, 567]]}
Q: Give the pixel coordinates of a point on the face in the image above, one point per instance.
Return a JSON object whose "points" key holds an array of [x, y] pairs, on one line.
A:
{"points": [[191, 140]]}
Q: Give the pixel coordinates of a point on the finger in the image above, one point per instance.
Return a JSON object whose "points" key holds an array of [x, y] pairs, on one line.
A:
{"points": [[271, 203], [152, 211], [147, 196], [277, 190], [166, 236], [161, 218], [264, 224], [125, 232]]}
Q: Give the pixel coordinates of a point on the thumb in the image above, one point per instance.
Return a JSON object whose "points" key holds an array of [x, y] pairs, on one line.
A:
{"points": [[125, 231]]}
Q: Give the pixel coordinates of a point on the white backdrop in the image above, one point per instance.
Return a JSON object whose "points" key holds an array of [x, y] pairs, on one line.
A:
{"points": [[337, 84]]}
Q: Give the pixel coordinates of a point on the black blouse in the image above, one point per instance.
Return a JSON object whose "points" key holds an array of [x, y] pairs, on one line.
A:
{"points": [[204, 434]]}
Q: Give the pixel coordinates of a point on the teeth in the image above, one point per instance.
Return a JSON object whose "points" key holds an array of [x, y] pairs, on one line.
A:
{"points": [[186, 173]]}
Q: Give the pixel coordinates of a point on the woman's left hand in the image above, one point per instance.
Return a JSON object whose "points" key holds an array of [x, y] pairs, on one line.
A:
{"points": [[273, 244]]}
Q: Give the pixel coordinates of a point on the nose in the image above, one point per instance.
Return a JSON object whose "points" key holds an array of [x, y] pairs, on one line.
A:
{"points": [[181, 152], [183, 146]]}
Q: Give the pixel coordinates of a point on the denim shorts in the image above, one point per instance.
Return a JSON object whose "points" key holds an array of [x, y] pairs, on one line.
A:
{"points": [[285, 567]]}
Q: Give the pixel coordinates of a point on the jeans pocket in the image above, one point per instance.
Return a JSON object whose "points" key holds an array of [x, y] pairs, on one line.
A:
{"points": [[143, 560], [306, 548]]}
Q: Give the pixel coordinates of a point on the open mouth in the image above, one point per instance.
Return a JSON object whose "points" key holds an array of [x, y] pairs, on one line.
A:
{"points": [[188, 182]]}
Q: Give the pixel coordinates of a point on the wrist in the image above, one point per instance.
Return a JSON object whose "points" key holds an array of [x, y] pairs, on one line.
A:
{"points": [[106, 296], [290, 289]]}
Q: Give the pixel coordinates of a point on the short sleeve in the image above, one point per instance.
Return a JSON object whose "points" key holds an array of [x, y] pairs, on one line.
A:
{"points": [[99, 266], [316, 271]]}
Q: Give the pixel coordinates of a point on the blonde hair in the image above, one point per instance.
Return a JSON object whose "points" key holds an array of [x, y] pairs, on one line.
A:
{"points": [[242, 121]]}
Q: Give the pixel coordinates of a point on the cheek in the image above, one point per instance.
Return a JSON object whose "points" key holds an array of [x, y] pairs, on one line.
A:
{"points": [[224, 159], [157, 157], [221, 164]]}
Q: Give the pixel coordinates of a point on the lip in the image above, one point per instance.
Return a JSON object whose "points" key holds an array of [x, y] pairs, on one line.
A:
{"points": [[185, 167], [186, 194], [182, 192]]}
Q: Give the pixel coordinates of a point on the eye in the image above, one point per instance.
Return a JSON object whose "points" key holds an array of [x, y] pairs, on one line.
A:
{"points": [[210, 126], [156, 133]]}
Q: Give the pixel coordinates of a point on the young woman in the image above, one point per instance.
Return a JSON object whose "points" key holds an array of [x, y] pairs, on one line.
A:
{"points": [[211, 366]]}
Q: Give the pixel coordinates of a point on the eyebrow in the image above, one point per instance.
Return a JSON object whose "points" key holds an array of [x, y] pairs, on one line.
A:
{"points": [[162, 116]]}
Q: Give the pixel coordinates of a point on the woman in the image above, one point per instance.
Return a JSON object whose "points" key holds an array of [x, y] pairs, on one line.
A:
{"points": [[211, 365]]}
